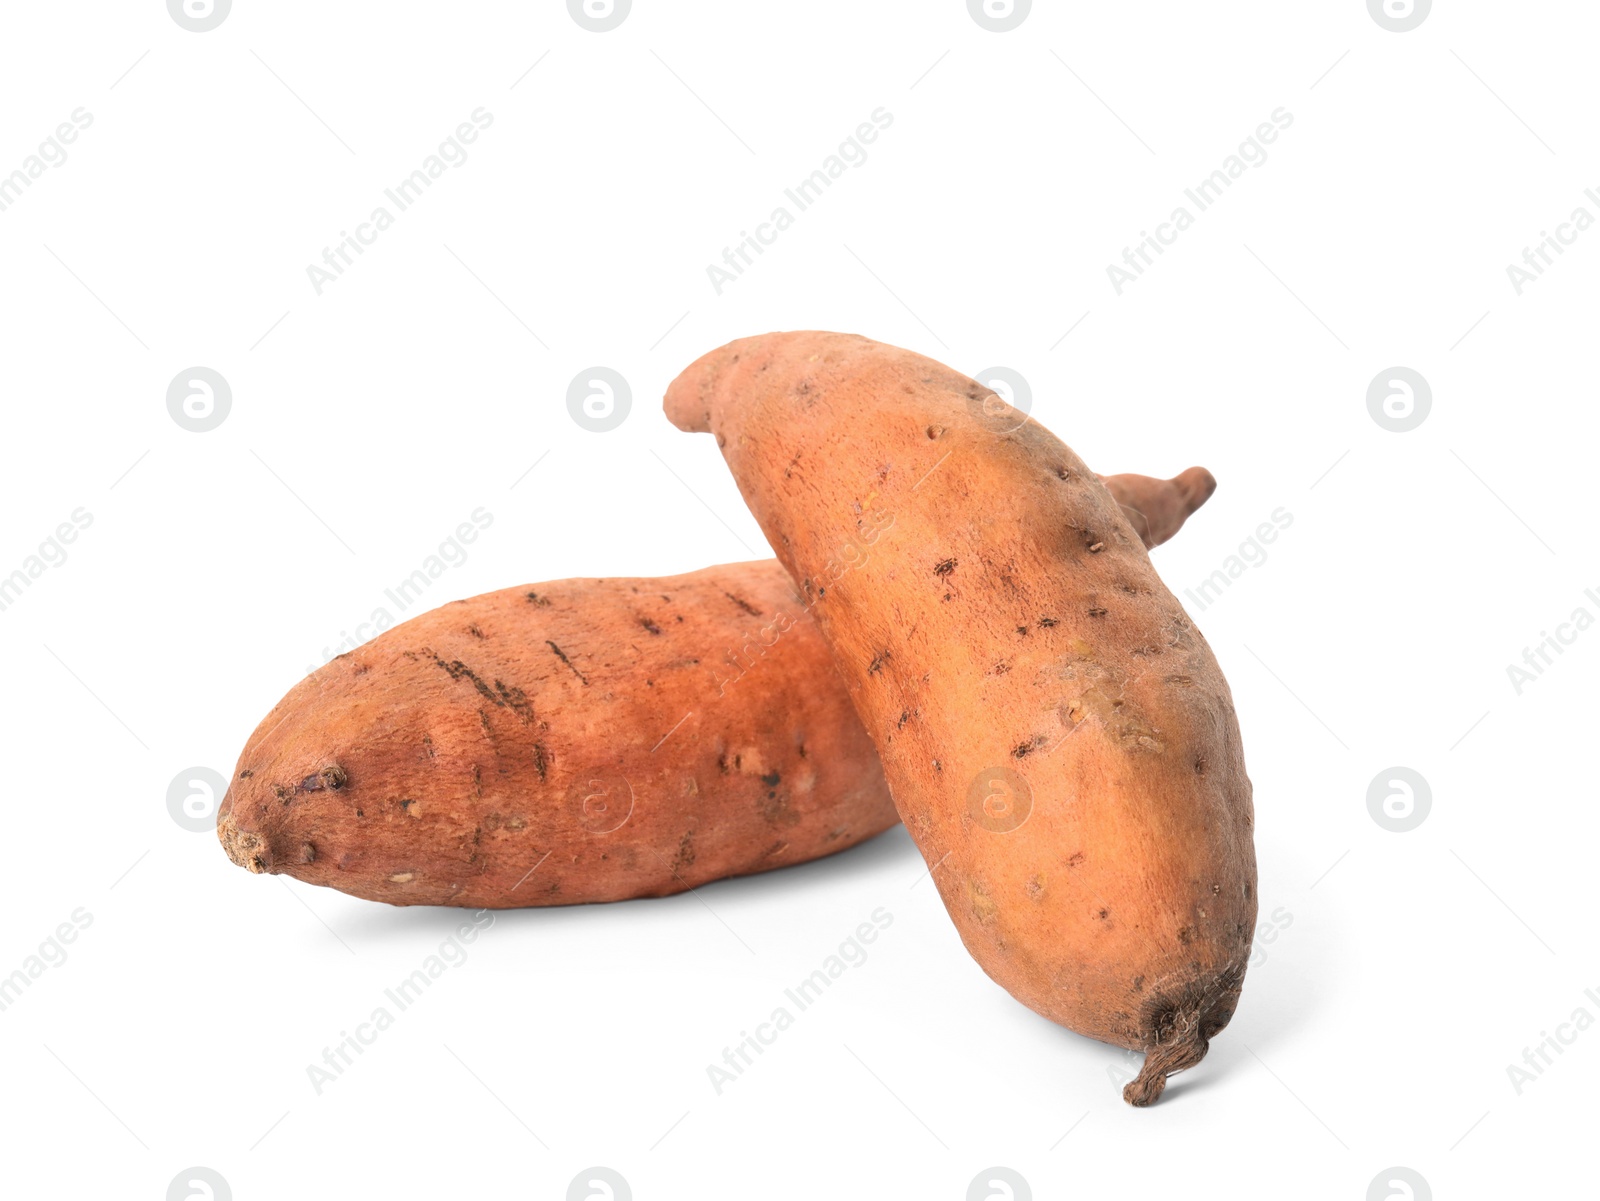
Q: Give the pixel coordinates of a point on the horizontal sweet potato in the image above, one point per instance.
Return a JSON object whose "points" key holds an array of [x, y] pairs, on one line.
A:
{"points": [[1057, 734], [584, 740]]}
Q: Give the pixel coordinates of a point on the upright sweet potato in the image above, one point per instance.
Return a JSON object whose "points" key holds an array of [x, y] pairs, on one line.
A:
{"points": [[444, 761], [1055, 731]]}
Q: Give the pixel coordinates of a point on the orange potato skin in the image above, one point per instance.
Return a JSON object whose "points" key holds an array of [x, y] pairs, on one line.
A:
{"points": [[585, 740], [1013, 654]]}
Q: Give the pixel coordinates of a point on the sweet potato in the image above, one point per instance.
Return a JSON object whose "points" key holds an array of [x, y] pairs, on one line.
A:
{"points": [[586, 740], [625, 738], [1055, 731]]}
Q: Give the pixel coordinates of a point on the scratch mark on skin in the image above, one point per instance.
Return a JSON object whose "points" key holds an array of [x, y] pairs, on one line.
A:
{"points": [[560, 654], [672, 731]]}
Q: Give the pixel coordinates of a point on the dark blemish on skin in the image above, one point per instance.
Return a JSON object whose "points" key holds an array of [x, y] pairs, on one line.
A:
{"points": [[650, 625], [1104, 913], [334, 776], [877, 663], [246, 774], [483, 722], [905, 716], [743, 604], [560, 654], [1077, 858], [1199, 767], [1247, 892], [475, 631], [1186, 935], [542, 601], [722, 764], [1063, 473], [802, 749], [1047, 622], [1097, 612], [772, 780], [945, 567], [1023, 749], [686, 852], [516, 700], [1000, 668], [1023, 630], [427, 744], [1138, 984], [458, 671], [283, 794], [937, 766], [541, 759], [361, 813]]}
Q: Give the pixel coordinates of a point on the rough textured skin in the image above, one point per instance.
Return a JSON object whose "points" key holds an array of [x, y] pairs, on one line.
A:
{"points": [[585, 740], [392, 775], [1056, 733]]}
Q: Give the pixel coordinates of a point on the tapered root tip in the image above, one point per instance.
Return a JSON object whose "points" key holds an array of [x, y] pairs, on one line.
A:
{"points": [[1160, 1062], [1197, 484], [690, 397]]}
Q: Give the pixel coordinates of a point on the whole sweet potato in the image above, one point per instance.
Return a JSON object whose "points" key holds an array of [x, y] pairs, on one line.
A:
{"points": [[584, 740], [1056, 732]]}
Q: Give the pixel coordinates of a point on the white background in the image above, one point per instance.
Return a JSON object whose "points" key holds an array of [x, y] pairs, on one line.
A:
{"points": [[370, 420]]}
